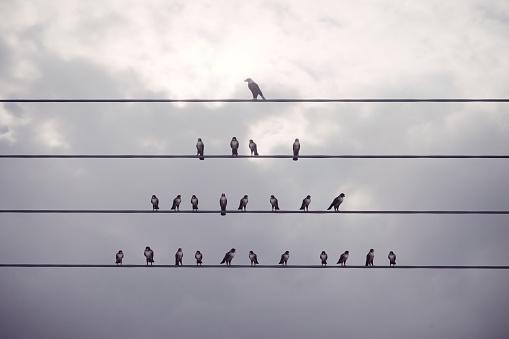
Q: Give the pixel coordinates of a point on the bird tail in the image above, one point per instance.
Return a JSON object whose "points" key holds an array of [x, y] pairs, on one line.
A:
{"points": [[262, 96], [295, 159], [329, 207], [202, 158], [256, 153], [223, 214]]}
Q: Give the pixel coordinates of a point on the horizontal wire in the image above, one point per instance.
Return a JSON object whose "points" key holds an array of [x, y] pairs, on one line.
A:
{"points": [[46, 211], [250, 100]]}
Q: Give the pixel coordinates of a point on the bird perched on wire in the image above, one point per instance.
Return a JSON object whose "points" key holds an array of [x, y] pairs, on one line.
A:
{"points": [[234, 144], [149, 255], [369, 257], [255, 89], [296, 149], [194, 202], [222, 203], [119, 257], [198, 256], [323, 258], [336, 202], [274, 203], [228, 257], [253, 147], [178, 257], [392, 258], [253, 257], [155, 203], [284, 258], [200, 147], [176, 203], [243, 203], [305, 203], [342, 258]]}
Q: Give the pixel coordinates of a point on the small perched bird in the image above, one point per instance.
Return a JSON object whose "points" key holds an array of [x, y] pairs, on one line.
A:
{"points": [[176, 203], [253, 258], [243, 203], [296, 149], [392, 258], [274, 203], [284, 258], [200, 147], [255, 89], [155, 203], [305, 203], [198, 256], [342, 258], [149, 254], [119, 257], [222, 202], [253, 148], [228, 257], [234, 144], [336, 202], [178, 257], [323, 258], [369, 257], [194, 202]]}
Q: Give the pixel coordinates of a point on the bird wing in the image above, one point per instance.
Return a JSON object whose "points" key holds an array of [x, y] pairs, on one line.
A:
{"points": [[334, 202], [282, 259], [174, 204]]}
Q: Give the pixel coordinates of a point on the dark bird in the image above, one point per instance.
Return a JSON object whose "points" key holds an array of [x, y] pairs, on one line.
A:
{"points": [[296, 149], [178, 257], [342, 258], [234, 144], [243, 203], [149, 254], [176, 203], [274, 203], [119, 257], [305, 203], [392, 258], [323, 258], [369, 257], [284, 258], [255, 89], [253, 258], [198, 256], [155, 203], [200, 147], [253, 148], [336, 202], [228, 257], [222, 202], [194, 202]]}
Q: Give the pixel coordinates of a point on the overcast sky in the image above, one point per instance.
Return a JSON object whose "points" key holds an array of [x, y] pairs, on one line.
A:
{"points": [[205, 50]]}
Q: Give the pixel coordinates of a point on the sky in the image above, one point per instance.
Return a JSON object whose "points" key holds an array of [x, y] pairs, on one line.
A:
{"points": [[294, 50]]}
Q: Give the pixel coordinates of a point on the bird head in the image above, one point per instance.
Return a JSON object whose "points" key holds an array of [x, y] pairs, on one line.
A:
{"points": [[232, 250], [249, 80], [342, 195]]}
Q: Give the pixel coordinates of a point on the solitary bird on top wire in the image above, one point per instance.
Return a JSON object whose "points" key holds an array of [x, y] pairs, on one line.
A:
{"points": [[200, 147], [336, 202], [255, 89], [155, 203], [296, 149]]}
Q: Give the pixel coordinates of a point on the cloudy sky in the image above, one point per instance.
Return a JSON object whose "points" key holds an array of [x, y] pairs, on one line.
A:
{"points": [[204, 50]]}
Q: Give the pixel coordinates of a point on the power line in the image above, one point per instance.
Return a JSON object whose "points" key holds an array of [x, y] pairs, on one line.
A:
{"points": [[48, 211], [248, 100]]}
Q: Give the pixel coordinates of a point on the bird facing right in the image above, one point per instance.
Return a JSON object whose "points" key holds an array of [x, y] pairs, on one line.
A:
{"points": [[337, 202], [342, 258], [305, 203], [284, 258]]}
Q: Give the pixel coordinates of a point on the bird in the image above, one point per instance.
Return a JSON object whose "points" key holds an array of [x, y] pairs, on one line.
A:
{"points": [[296, 149], [253, 258], [323, 257], [194, 202], [222, 202], [198, 256], [149, 254], [342, 258], [228, 257], [178, 257], [369, 257], [119, 257], [284, 258], [176, 203], [253, 148], [273, 202], [200, 147], [336, 202], [234, 144], [255, 89], [155, 203], [243, 203], [392, 258], [305, 203]]}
